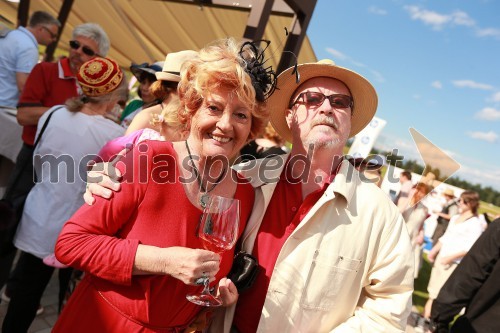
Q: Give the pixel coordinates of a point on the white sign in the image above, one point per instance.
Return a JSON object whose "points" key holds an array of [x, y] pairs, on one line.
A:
{"points": [[364, 140]]}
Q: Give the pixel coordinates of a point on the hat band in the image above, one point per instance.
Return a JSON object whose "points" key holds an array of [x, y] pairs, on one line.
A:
{"points": [[175, 73]]}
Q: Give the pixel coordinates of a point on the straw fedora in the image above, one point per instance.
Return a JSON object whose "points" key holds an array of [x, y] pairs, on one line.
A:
{"points": [[172, 65], [449, 192], [363, 94]]}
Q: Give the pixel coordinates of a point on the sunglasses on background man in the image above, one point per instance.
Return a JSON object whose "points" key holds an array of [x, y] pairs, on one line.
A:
{"points": [[75, 45]]}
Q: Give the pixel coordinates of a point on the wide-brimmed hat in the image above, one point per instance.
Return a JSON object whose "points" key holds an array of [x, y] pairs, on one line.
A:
{"points": [[362, 92], [139, 69], [449, 192], [172, 65], [99, 76]]}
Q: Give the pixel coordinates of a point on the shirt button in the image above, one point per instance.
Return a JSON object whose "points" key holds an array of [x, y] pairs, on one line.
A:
{"points": [[294, 209]]}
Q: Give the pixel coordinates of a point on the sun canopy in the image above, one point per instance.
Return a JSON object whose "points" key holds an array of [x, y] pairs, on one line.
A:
{"points": [[146, 30]]}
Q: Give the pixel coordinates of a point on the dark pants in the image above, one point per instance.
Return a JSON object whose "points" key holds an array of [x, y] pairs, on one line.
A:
{"points": [[439, 231], [20, 184], [32, 277]]}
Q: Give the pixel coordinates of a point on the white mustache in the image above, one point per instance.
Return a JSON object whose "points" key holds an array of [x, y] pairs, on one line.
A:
{"points": [[328, 121]]}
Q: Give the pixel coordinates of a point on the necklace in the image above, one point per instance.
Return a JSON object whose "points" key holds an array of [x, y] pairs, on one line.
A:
{"points": [[205, 193]]}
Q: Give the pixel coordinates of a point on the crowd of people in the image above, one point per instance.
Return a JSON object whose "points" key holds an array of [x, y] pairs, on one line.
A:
{"points": [[331, 251], [457, 227]]}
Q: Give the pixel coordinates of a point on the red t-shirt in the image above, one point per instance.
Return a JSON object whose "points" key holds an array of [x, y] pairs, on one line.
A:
{"points": [[47, 85], [150, 208], [284, 213]]}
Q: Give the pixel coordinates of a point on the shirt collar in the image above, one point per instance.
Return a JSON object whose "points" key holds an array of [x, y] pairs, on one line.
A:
{"points": [[29, 34], [345, 181], [65, 69]]}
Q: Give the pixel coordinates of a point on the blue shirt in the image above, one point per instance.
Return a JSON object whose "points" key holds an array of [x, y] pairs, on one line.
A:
{"points": [[18, 54]]}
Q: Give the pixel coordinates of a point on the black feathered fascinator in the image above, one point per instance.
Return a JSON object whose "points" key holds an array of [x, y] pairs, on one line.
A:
{"points": [[263, 78]]}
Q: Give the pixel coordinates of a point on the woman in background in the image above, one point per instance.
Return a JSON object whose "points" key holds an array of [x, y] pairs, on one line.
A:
{"points": [[464, 229], [415, 215], [145, 75]]}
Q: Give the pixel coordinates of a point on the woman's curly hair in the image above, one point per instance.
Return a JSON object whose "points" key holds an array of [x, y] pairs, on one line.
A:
{"points": [[231, 65]]}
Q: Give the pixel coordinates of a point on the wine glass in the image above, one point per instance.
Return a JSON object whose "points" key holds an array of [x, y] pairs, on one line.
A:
{"points": [[218, 231]]}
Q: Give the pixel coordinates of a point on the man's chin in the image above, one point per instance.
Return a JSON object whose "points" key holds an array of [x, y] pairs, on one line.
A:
{"points": [[327, 142]]}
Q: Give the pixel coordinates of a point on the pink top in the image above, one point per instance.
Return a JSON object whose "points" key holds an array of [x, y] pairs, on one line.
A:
{"points": [[113, 147]]}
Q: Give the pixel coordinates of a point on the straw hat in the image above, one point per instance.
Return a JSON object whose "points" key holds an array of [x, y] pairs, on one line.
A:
{"points": [[172, 65], [363, 94], [449, 192], [99, 76]]}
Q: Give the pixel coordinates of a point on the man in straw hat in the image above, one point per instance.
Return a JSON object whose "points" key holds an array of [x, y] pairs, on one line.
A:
{"points": [[333, 251], [450, 208]]}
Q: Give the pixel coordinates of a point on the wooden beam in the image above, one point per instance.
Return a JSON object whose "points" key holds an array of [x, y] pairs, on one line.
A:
{"points": [[304, 10], [257, 20], [23, 12], [62, 17]]}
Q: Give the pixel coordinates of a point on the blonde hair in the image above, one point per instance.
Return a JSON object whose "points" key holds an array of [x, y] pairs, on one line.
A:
{"points": [[219, 65], [169, 116]]}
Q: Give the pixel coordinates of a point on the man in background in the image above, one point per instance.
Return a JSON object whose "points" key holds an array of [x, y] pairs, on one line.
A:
{"points": [[450, 208], [404, 192], [19, 54]]}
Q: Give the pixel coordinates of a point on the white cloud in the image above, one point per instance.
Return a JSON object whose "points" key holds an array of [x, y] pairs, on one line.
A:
{"points": [[488, 32], [341, 56], [377, 11], [437, 85], [439, 21], [336, 53], [435, 20], [496, 97], [472, 84], [488, 114], [462, 18], [379, 77], [485, 136], [416, 96]]}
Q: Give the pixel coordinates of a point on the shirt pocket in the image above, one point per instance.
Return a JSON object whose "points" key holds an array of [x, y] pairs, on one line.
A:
{"points": [[327, 279]]}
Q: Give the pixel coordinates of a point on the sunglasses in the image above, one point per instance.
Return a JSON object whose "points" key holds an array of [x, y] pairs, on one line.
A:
{"points": [[75, 45], [314, 98], [52, 35]]}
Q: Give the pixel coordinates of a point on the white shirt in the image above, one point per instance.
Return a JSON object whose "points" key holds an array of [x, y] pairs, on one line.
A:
{"points": [[460, 237], [74, 138]]}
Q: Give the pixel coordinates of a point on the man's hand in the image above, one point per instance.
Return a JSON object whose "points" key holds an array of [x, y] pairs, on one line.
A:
{"points": [[103, 179]]}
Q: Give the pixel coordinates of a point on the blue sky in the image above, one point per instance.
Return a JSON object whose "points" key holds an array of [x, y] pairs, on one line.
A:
{"points": [[435, 66]]}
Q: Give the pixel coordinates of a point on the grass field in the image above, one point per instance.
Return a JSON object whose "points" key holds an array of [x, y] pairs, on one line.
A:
{"points": [[420, 294], [491, 209]]}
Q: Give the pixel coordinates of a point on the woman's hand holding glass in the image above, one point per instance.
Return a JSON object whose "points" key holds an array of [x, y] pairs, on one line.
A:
{"points": [[218, 231], [188, 265]]}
